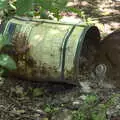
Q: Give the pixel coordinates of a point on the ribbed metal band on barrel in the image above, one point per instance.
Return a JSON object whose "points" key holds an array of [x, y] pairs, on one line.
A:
{"points": [[66, 38]]}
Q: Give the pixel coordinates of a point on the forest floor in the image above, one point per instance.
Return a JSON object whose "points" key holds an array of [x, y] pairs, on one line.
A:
{"points": [[107, 12], [26, 100]]}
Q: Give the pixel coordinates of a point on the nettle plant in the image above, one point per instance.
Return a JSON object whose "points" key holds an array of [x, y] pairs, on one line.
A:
{"points": [[45, 9], [32, 8]]}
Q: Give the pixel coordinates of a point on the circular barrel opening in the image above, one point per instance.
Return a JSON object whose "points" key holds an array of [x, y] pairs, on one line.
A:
{"points": [[90, 47]]}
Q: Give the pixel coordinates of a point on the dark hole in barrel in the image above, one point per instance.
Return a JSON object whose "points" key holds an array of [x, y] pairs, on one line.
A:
{"points": [[89, 48]]}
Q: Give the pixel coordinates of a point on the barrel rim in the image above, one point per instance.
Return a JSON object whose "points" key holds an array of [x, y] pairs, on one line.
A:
{"points": [[79, 48], [81, 24]]}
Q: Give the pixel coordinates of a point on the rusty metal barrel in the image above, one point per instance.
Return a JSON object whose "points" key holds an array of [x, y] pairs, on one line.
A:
{"points": [[47, 50]]}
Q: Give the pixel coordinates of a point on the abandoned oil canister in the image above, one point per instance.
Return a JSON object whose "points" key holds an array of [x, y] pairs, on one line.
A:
{"points": [[47, 50]]}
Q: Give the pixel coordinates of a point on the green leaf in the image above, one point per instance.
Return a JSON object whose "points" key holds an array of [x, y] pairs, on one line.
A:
{"points": [[60, 4], [43, 14], [48, 108], [23, 6], [4, 41], [45, 4], [100, 116], [52, 5], [1, 41], [3, 4], [91, 99], [37, 92], [30, 13], [7, 62]]}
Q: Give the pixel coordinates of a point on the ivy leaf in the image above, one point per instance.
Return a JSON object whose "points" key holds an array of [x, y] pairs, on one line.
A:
{"points": [[23, 6], [7, 62], [3, 4]]}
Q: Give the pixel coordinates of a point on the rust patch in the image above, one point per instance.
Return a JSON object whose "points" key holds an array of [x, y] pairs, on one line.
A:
{"points": [[20, 43], [26, 65], [69, 74]]}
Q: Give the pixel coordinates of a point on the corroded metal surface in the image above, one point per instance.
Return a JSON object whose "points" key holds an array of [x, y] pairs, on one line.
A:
{"points": [[44, 50]]}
